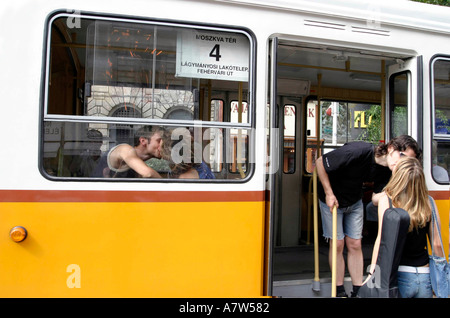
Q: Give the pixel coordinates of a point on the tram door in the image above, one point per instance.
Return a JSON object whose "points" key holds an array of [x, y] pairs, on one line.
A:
{"points": [[286, 106], [288, 216], [286, 149], [405, 96]]}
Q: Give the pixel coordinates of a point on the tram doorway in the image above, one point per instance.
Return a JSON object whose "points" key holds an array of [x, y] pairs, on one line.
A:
{"points": [[292, 249], [320, 97]]}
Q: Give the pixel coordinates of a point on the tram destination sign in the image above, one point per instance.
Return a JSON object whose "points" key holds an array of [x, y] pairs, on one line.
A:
{"points": [[213, 55]]}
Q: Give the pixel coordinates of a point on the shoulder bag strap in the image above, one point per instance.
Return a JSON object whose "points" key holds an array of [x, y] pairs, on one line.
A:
{"points": [[435, 223]]}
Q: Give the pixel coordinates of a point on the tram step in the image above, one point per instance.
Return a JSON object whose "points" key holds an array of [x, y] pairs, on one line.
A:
{"points": [[304, 288]]}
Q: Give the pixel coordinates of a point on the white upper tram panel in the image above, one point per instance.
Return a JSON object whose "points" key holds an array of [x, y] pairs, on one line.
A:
{"points": [[392, 12]]}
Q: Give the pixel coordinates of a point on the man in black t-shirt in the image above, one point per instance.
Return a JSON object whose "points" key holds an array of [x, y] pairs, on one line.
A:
{"points": [[380, 176], [342, 173], [348, 167]]}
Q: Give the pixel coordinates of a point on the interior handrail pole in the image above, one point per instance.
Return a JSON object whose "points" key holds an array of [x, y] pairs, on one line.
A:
{"points": [[308, 222], [316, 282], [334, 254]]}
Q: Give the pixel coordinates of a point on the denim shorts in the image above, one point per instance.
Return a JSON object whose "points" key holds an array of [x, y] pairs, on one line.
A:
{"points": [[349, 221], [414, 285]]}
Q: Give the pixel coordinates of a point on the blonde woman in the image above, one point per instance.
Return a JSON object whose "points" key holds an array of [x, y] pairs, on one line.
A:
{"points": [[407, 190], [179, 152]]}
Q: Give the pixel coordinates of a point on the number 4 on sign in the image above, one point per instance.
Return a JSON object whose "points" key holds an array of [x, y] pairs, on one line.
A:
{"points": [[215, 52]]}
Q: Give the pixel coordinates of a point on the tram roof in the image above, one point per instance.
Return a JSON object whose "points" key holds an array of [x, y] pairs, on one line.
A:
{"points": [[394, 12]]}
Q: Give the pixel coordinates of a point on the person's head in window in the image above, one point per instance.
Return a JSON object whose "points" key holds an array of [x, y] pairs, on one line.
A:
{"points": [[149, 140]]}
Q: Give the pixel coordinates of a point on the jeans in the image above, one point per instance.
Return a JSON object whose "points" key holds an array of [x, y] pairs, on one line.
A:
{"points": [[414, 285], [349, 221]]}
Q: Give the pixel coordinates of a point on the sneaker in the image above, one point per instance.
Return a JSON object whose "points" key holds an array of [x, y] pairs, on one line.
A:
{"points": [[341, 295]]}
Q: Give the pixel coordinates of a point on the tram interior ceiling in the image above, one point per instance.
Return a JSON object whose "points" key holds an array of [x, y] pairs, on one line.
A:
{"points": [[340, 68]]}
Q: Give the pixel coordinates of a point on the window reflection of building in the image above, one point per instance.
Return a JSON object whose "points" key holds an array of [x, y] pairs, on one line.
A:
{"points": [[123, 133], [132, 102]]}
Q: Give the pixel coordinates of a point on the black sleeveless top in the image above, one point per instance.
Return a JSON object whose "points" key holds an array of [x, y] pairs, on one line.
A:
{"points": [[415, 250]]}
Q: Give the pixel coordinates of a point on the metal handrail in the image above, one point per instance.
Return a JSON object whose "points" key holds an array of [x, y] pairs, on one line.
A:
{"points": [[316, 282], [334, 253]]}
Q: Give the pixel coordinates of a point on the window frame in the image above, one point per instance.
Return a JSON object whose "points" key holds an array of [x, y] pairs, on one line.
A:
{"points": [[390, 109], [324, 147], [432, 97], [433, 135], [293, 141], [195, 123]]}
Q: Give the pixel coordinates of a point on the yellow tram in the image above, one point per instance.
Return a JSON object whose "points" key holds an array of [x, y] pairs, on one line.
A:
{"points": [[247, 81]]}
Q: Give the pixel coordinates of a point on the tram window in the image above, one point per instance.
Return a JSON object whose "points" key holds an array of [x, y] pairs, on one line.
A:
{"points": [[107, 78], [238, 152], [238, 113], [289, 139], [341, 122], [239, 138], [153, 68], [336, 123], [80, 150], [216, 110], [441, 115], [398, 112]]}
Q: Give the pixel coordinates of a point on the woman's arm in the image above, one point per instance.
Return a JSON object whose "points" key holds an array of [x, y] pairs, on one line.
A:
{"points": [[383, 205], [376, 198]]}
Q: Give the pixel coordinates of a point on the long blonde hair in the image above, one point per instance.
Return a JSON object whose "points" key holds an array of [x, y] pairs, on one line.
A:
{"points": [[408, 190]]}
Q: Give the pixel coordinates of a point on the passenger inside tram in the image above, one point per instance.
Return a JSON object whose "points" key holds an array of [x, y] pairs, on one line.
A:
{"points": [[86, 162], [127, 161], [184, 156]]}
